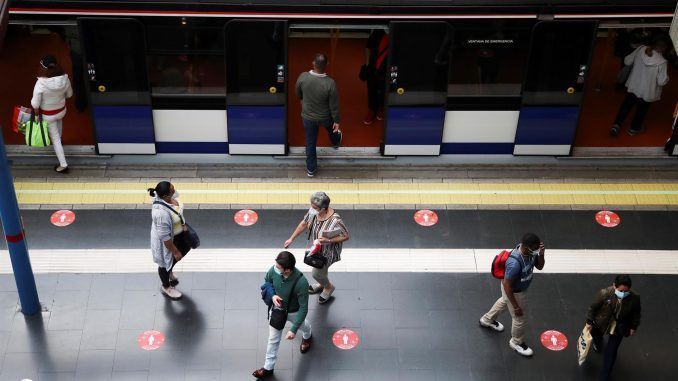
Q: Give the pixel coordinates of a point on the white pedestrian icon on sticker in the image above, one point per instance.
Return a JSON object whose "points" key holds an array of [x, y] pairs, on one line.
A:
{"points": [[554, 340], [246, 217], [151, 340], [62, 218], [345, 339], [607, 218], [426, 217]]}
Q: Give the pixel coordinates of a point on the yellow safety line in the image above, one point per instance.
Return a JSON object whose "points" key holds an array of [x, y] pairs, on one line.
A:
{"points": [[357, 193]]}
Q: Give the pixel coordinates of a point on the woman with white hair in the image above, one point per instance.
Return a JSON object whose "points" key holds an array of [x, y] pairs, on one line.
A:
{"points": [[326, 226]]}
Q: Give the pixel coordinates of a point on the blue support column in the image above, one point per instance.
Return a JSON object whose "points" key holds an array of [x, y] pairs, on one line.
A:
{"points": [[16, 243]]}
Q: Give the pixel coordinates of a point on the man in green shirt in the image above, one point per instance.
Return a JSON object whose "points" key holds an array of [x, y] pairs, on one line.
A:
{"points": [[319, 107], [291, 293]]}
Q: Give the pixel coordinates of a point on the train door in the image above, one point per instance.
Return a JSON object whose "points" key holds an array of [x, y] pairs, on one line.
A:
{"points": [[417, 87], [119, 92], [256, 78], [559, 59]]}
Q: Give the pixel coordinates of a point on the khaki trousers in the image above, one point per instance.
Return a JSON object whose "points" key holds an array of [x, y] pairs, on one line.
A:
{"points": [[518, 323]]}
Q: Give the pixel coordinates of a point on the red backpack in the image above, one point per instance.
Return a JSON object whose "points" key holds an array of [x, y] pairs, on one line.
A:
{"points": [[499, 264]]}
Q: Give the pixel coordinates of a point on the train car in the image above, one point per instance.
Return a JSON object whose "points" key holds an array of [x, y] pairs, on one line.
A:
{"points": [[486, 77]]}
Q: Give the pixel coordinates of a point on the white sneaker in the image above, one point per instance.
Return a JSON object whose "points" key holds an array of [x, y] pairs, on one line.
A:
{"points": [[522, 349], [171, 292], [495, 325]]}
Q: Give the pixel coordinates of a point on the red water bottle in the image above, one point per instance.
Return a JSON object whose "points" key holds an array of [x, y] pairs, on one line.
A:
{"points": [[315, 248]]}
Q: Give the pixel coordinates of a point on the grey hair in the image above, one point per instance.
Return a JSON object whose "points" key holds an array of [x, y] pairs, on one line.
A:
{"points": [[321, 200]]}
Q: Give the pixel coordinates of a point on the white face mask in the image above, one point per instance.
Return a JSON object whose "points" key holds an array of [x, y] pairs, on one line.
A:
{"points": [[277, 270], [313, 212]]}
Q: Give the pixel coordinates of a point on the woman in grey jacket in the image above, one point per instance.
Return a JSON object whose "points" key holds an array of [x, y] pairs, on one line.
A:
{"points": [[644, 84], [165, 227]]}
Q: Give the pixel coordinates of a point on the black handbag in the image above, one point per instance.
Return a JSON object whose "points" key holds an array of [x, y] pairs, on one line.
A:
{"points": [[189, 236], [279, 314], [318, 260]]}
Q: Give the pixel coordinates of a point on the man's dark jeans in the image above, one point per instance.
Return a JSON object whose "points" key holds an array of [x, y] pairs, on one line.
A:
{"points": [[312, 127]]}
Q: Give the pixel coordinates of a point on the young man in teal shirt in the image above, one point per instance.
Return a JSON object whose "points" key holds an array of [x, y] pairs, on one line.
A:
{"points": [[291, 293]]}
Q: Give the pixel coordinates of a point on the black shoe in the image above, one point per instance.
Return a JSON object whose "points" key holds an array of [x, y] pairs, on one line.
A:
{"points": [[614, 131], [341, 137], [63, 170], [310, 173], [634, 132], [305, 344]]}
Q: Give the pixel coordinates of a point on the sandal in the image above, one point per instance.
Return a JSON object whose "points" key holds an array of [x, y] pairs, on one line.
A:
{"points": [[314, 289], [305, 344], [325, 296]]}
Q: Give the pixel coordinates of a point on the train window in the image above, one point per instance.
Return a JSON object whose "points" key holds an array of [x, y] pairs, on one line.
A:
{"points": [[184, 39], [418, 63], [255, 62], [187, 74], [489, 58], [116, 69], [558, 62]]}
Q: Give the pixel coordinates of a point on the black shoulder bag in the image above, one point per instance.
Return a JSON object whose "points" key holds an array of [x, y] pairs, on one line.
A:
{"points": [[188, 237], [317, 260], [279, 314]]}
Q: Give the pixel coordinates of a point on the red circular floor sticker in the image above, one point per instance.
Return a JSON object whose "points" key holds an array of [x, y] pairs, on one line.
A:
{"points": [[426, 217], [554, 340], [62, 218], [151, 340], [246, 217], [345, 339], [607, 218]]}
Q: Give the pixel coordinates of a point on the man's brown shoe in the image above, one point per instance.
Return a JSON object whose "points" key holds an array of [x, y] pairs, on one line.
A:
{"points": [[262, 373], [305, 344]]}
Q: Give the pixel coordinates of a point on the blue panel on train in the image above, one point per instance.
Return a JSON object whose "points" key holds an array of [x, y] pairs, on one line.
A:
{"points": [[476, 148], [123, 124], [547, 125], [192, 147], [415, 125], [256, 125]]}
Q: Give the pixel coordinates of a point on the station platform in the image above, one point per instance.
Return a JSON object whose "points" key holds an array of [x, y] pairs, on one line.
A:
{"points": [[412, 293]]}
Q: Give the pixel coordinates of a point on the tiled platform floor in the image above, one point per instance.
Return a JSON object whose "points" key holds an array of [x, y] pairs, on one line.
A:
{"points": [[411, 326]]}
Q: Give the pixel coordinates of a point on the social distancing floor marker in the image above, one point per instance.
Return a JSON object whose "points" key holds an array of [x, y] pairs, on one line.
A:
{"points": [[345, 339], [554, 340], [608, 219], [246, 217], [426, 217], [151, 340], [62, 218]]}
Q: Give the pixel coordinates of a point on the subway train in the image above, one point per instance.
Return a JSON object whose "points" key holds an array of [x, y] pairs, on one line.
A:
{"points": [[483, 77]]}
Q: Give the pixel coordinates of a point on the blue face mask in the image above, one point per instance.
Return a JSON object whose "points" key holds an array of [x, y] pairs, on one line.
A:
{"points": [[621, 294]]}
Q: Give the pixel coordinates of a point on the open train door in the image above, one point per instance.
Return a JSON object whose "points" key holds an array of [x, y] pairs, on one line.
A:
{"points": [[256, 86], [119, 91], [417, 87], [560, 55]]}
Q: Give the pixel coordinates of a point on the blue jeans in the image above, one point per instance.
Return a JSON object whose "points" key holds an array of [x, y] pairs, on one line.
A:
{"points": [[312, 127], [274, 337]]}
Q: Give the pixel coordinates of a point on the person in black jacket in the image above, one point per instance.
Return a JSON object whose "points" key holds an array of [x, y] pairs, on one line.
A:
{"points": [[615, 311]]}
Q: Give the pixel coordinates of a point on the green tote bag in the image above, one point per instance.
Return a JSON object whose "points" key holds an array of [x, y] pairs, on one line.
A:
{"points": [[37, 133]]}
